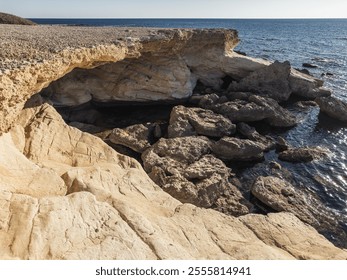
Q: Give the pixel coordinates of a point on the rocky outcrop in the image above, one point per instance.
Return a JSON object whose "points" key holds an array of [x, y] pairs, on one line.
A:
{"points": [[231, 148], [249, 108], [303, 154], [11, 19], [333, 107], [184, 168], [113, 211], [196, 121], [66, 194]]}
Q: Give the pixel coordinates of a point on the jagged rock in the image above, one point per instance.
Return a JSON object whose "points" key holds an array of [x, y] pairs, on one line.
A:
{"points": [[136, 137], [333, 107], [195, 121], [281, 144], [230, 148], [254, 108], [234, 95], [304, 154], [280, 117], [271, 81], [243, 111], [306, 104], [184, 168], [280, 195], [250, 133]]}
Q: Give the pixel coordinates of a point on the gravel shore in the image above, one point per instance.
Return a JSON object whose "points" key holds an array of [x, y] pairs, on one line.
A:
{"points": [[24, 45]]}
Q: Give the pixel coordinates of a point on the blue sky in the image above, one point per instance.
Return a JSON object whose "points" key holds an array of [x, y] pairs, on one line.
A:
{"points": [[176, 8]]}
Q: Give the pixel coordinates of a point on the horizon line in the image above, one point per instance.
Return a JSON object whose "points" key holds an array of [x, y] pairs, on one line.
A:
{"points": [[182, 18]]}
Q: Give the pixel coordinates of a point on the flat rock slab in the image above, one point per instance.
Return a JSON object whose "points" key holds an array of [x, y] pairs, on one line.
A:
{"points": [[280, 195], [231, 148], [304, 154], [196, 121]]}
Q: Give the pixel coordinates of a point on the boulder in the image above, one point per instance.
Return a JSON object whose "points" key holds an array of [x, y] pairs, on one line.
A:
{"points": [[136, 137], [271, 81], [231, 148], [333, 107], [280, 195], [196, 121], [184, 168], [280, 116], [251, 134], [303, 154]]}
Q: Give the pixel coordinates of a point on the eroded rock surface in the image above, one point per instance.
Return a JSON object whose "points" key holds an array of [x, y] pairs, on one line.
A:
{"points": [[333, 107], [231, 148], [304, 154], [196, 121], [250, 133]]}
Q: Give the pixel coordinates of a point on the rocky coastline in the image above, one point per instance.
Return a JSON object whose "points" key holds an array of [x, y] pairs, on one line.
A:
{"points": [[124, 143]]}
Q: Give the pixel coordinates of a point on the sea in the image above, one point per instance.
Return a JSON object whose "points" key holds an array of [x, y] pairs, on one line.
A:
{"points": [[321, 42]]}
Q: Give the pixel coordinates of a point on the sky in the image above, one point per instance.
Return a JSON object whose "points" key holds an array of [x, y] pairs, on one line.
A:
{"points": [[176, 8]]}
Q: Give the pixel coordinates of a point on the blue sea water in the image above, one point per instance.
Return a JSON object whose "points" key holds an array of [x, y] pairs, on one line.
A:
{"points": [[322, 42]]}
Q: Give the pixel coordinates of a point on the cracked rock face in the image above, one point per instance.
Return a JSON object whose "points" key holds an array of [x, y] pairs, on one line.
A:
{"points": [[196, 121]]}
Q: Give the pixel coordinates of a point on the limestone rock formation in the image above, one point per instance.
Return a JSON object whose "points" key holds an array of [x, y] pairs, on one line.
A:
{"points": [[196, 121], [333, 107], [303, 154], [231, 148]]}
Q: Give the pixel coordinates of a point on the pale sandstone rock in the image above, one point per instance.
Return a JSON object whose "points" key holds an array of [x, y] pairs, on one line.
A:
{"points": [[196, 121], [287, 230]]}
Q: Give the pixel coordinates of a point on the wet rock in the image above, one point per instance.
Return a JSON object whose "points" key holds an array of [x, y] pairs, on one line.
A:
{"points": [[250, 133], [196, 121], [241, 53], [302, 154], [184, 168], [135, 137], [230, 148], [275, 165], [271, 81], [333, 107], [306, 104], [281, 144], [309, 65], [280, 116], [280, 195], [304, 71]]}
